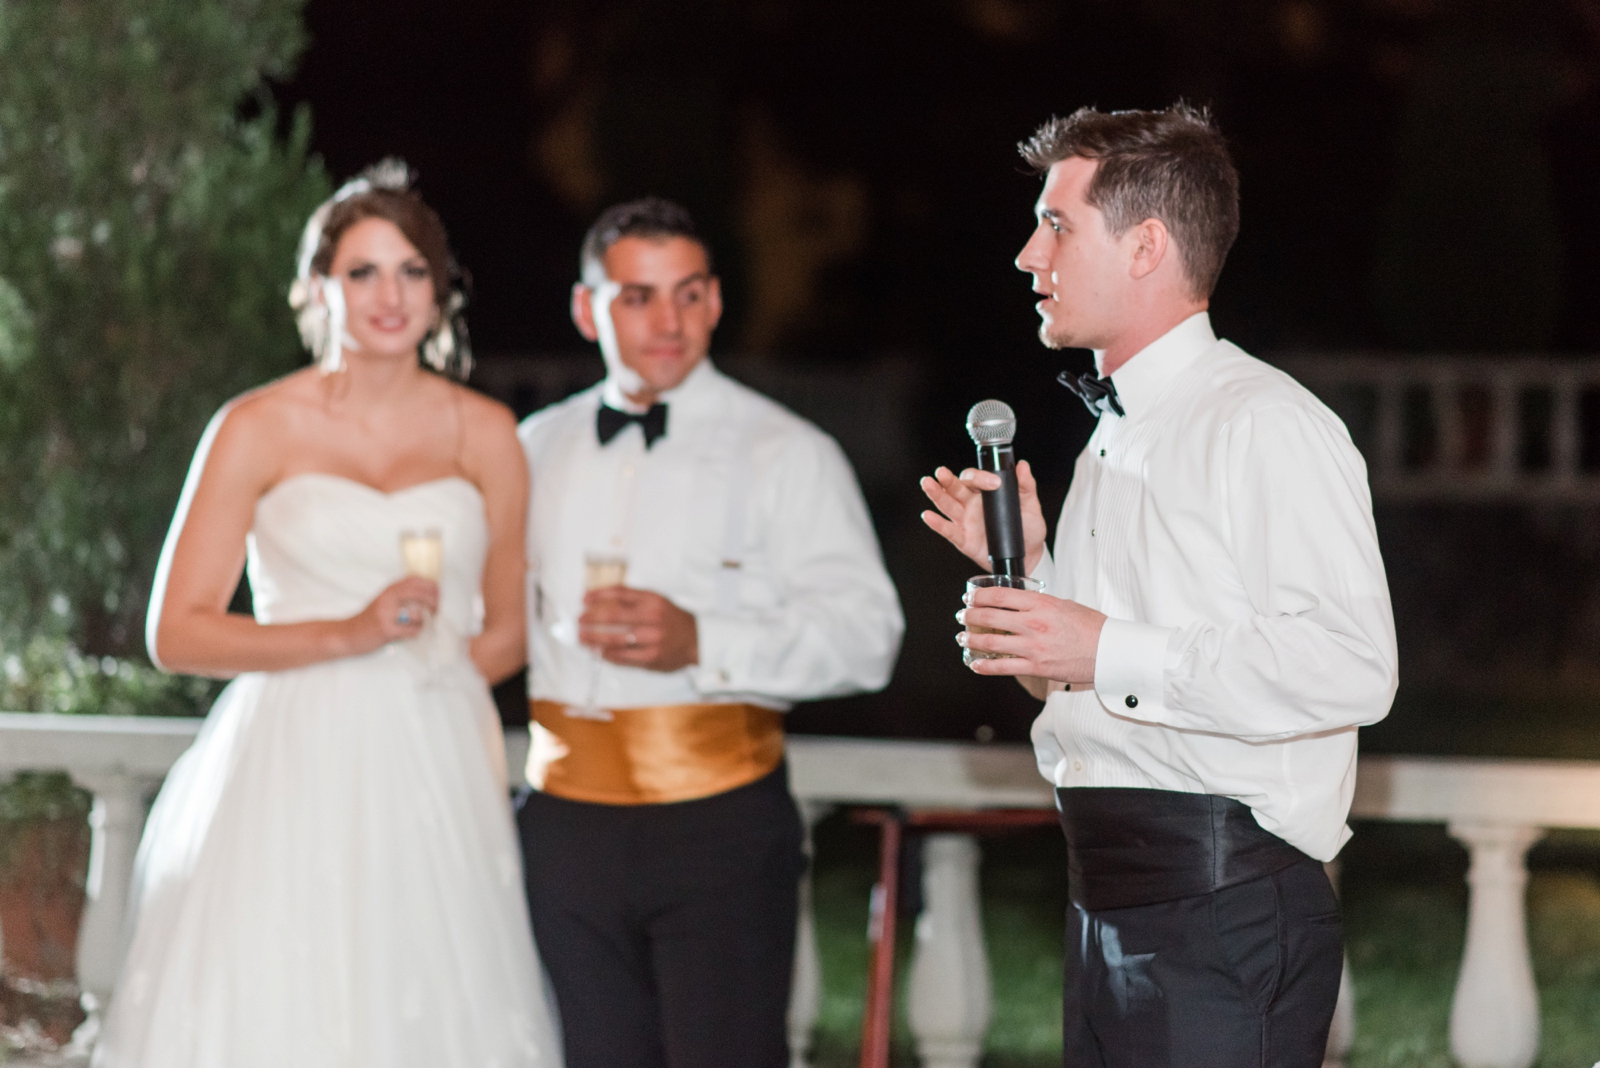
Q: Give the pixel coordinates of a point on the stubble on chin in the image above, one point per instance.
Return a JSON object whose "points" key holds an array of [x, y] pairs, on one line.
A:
{"points": [[1053, 338]]}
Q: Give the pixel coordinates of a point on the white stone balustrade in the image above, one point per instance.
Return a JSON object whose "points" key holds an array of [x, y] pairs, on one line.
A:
{"points": [[120, 760], [1496, 808], [949, 980], [1465, 428]]}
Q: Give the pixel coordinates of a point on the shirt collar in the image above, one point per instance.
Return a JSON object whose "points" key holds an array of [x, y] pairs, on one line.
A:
{"points": [[696, 383], [1141, 381]]}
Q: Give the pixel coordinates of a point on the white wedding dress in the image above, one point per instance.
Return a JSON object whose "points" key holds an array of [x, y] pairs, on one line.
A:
{"points": [[330, 876]]}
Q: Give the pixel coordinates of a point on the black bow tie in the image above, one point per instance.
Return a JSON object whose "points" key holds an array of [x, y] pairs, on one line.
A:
{"points": [[608, 423], [1098, 394]]}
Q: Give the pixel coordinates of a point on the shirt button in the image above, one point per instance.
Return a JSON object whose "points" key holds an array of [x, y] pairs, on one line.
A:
{"points": [[1077, 765], [1091, 532], [1102, 452], [1132, 701]]}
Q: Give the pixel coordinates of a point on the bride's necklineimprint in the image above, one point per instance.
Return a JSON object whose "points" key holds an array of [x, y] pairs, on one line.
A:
{"points": [[368, 487]]}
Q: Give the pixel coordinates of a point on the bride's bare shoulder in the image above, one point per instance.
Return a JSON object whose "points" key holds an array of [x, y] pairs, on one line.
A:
{"points": [[260, 420], [483, 414], [489, 445]]}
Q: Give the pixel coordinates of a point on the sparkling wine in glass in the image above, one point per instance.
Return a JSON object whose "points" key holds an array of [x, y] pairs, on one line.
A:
{"points": [[600, 571], [422, 552]]}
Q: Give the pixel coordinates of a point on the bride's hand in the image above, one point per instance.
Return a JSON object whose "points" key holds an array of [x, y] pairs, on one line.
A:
{"points": [[394, 615]]}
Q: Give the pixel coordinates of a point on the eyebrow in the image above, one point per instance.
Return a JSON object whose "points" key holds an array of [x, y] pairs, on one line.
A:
{"points": [[649, 287], [369, 262]]}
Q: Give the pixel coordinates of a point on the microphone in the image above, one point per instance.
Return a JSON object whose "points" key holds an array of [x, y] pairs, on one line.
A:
{"points": [[992, 424]]}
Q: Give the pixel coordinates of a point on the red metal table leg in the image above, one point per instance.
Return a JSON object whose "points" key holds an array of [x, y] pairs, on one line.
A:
{"points": [[878, 1013]]}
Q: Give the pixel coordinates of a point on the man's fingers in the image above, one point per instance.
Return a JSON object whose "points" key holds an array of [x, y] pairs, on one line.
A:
{"points": [[640, 654], [951, 484], [1009, 665], [1025, 484], [1007, 638], [621, 635], [610, 595], [980, 480], [1005, 597], [631, 657], [943, 497], [996, 619], [943, 526]]}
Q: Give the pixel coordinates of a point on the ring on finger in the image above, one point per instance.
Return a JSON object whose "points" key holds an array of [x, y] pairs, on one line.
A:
{"points": [[404, 618]]}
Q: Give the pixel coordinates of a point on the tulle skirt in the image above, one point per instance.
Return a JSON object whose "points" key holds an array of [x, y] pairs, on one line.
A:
{"points": [[330, 879]]}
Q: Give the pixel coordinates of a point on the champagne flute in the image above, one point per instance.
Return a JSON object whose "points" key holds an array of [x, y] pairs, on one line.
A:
{"points": [[600, 571], [422, 552]]}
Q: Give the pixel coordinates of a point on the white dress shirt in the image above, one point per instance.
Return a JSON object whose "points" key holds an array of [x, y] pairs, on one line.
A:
{"points": [[1224, 525], [743, 514]]}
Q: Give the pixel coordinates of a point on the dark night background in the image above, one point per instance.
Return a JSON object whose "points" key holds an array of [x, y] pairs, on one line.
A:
{"points": [[1417, 176]]}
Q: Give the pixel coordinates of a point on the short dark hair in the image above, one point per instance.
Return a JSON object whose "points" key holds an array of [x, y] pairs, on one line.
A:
{"points": [[1171, 165], [650, 217]]}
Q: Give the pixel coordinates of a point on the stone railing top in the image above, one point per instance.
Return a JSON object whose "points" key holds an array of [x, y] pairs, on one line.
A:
{"points": [[87, 745], [916, 773], [912, 773], [1533, 793]]}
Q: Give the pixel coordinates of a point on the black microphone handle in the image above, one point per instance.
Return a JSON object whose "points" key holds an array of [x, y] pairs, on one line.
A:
{"points": [[1002, 513]]}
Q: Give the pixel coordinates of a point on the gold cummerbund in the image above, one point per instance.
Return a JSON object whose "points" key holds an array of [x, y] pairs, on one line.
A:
{"points": [[652, 756]]}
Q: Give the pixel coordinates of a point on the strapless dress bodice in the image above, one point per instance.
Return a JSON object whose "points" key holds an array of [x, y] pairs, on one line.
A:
{"points": [[323, 546]]}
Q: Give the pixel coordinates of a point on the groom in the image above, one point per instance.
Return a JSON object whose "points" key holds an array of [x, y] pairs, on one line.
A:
{"points": [[701, 558], [1217, 626]]}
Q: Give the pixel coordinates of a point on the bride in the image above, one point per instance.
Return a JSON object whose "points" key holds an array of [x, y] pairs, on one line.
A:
{"points": [[329, 877]]}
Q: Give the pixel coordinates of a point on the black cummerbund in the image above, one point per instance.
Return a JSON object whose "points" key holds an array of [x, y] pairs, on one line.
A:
{"points": [[1137, 847]]}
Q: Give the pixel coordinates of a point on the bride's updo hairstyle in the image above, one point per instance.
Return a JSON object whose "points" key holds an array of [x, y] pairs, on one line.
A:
{"points": [[382, 191]]}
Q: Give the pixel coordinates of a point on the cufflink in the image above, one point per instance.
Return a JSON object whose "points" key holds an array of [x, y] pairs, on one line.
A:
{"points": [[1132, 701]]}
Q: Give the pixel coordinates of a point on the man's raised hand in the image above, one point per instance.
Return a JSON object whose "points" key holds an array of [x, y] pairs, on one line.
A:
{"points": [[959, 515]]}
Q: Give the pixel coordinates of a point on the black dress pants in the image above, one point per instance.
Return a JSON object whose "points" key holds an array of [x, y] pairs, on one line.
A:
{"points": [[1242, 977], [668, 930]]}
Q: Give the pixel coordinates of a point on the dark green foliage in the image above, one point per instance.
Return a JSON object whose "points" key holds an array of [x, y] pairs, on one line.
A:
{"points": [[50, 675], [149, 210]]}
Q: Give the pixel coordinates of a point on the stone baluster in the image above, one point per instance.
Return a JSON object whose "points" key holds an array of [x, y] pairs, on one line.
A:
{"points": [[1494, 1019], [805, 993], [1341, 1036], [949, 982], [115, 823]]}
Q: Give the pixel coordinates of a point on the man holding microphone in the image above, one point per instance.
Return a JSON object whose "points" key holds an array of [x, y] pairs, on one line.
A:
{"points": [[1216, 623]]}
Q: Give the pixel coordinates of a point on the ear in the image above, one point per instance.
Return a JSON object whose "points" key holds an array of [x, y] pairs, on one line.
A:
{"points": [[714, 300], [1150, 244], [583, 312]]}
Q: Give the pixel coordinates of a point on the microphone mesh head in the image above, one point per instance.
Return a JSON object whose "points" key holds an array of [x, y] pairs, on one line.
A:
{"points": [[992, 422]]}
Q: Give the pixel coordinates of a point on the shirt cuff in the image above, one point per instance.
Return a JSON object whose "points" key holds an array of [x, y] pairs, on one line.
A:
{"points": [[1130, 667], [725, 652]]}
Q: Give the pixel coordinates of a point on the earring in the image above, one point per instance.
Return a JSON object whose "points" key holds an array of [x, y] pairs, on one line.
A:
{"points": [[446, 348], [440, 346]]}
